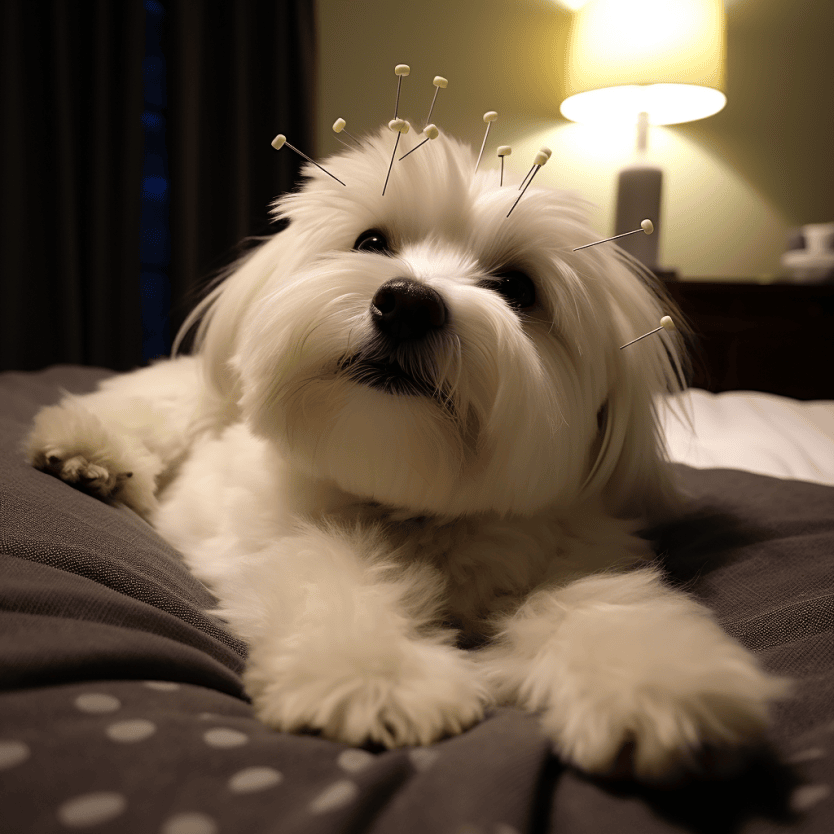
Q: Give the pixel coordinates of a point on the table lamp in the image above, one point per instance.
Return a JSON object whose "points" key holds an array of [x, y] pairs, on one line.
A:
{"points": [[644, 62]]}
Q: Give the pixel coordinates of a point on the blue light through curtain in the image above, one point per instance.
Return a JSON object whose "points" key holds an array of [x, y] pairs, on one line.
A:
{"points": [[134, 157], [155, 236]]}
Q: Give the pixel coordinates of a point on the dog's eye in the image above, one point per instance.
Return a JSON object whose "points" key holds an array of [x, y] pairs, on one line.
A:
{"points": [[516, 287], [372, 241]]}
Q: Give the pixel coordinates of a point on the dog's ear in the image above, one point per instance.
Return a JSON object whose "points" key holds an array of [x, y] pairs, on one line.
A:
{"points": [[218, 317], [630, 469]]}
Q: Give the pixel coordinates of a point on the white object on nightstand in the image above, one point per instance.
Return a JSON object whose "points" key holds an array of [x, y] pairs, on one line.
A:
{"points": [[815, 262]]}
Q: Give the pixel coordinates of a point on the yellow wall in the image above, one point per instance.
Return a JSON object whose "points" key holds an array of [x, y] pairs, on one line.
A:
{"points": [[734, 183]]}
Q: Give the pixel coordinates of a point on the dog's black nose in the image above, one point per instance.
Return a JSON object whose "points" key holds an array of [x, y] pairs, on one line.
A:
{"points": [[406, 309]]}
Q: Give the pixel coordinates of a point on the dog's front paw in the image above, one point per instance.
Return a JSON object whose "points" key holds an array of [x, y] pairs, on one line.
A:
{"points": [[657, 735], [414, 694], [77, 470], [662, 709], [72, 444]]}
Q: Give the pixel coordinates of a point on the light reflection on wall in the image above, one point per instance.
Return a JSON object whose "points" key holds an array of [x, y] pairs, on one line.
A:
{"points": [[708, 207], [508, 56]]}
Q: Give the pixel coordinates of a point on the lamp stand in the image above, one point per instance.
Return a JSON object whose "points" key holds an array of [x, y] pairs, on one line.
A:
{"points": [[639, 189]]}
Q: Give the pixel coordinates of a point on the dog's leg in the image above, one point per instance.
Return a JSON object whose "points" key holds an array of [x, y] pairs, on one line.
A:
{"points": [[621, 665], [341, 643], [118, 442]]}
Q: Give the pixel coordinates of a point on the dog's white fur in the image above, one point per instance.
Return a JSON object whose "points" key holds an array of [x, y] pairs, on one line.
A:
{"points": [[351, 534]]}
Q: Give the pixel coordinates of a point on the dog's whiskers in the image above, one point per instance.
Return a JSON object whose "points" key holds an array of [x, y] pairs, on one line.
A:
{"points": [[400, 371], [458, 361], [452, 354]]}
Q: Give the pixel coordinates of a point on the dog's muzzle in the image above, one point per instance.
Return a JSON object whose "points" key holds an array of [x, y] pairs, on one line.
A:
{"points": [[403, 309], [399, 360]]}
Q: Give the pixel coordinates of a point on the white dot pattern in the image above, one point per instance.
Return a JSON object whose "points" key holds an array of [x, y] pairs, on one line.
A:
{"points": [[807, 755], [91, 809], [223, 737], [804, 798], [338, 795], [254, 779], [423, 757], [97, 702], [99, 806], [128, 732], [355, 760], [190, 823], [13, 753]]}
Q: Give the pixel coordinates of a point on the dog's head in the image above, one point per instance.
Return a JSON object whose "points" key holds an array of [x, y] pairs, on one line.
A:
{"points": [[427, 351]]}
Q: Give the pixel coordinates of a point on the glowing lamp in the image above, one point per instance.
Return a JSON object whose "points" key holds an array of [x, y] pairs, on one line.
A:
{"points": [[644, 62]]}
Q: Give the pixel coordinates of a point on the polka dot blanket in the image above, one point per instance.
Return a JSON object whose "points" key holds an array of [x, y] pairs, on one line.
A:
{"points": [[122, 708]]}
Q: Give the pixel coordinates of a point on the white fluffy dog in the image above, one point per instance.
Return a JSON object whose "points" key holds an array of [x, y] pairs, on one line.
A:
{"points": [[408, 422]]}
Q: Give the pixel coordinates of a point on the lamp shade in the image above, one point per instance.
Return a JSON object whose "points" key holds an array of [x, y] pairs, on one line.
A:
{"points": [[659, 57]]}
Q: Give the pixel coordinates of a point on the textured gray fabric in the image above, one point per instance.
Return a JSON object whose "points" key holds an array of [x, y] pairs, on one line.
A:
{"points": [[122, 709], [96, 563]]}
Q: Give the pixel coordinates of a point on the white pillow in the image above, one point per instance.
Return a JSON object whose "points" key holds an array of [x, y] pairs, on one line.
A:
{"points": [[756, 432]]}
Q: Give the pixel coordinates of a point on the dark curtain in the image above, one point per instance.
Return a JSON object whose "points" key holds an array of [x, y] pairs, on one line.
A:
{"points": [[71, 161], [236, 74]]}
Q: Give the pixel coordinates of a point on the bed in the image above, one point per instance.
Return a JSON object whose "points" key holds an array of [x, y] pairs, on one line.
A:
{"points": [[122, 708]]}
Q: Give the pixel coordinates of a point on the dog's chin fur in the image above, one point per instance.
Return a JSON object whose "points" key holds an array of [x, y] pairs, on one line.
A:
{"points": [[357, 498]]}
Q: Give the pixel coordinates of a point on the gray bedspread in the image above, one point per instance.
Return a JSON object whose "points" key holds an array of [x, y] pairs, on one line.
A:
{"points": [[122, 709]]}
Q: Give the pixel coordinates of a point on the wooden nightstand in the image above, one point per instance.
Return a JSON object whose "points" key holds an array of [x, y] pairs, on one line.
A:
{"points": [[777, 338]]}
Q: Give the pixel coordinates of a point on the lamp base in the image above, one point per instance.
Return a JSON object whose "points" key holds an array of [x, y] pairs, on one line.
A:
{"points": [[638, 197]]}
